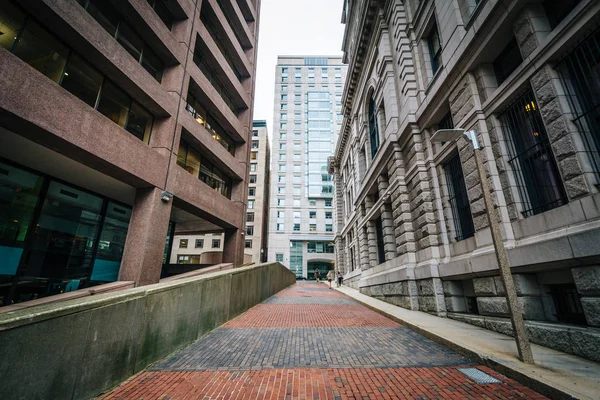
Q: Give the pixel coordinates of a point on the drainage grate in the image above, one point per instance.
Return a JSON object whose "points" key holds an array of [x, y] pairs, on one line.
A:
{"points": [[478, 376]]}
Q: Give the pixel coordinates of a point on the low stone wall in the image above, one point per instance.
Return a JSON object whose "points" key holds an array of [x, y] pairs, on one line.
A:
{"points": [[76, 349]]}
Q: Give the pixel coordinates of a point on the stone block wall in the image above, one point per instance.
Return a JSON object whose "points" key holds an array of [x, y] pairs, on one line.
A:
{"points": [[587, 280]]}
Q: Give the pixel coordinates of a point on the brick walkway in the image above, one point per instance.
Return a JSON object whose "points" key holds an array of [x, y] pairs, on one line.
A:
{"points": [[309, 342]]}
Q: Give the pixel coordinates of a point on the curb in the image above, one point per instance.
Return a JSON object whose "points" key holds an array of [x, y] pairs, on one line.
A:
{"points": [[529, 381]]}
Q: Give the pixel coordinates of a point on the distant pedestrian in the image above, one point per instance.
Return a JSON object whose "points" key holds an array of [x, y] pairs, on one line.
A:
{"points": [[318, 275], [330, 276], [340, 278]]}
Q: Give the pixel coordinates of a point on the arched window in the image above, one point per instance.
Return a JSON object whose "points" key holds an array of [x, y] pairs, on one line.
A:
{"points": [[373, 129]]}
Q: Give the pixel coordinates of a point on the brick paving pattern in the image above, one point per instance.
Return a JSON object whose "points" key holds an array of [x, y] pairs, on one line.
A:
{"points": [[309, 342]]}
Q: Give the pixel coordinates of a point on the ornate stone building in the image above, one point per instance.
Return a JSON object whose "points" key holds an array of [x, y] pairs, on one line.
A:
{"points": [[410, 219]]}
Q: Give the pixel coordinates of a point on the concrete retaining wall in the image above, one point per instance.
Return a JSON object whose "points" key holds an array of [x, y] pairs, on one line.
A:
{"points": [[76, 349]]}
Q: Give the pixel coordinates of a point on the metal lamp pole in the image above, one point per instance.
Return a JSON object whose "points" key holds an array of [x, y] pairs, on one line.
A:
{"points": [[514, 308]]}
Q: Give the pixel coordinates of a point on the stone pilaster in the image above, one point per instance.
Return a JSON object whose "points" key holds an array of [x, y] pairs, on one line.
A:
{"points": [[531, 28], [557, 119], [387, 220], [402, 219], [371, 234]]}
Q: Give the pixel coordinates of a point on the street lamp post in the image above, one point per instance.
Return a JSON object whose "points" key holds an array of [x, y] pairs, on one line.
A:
{"points": [[514, 308]]}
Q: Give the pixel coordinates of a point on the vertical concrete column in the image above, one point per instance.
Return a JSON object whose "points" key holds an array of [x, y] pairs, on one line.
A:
{"points": [[146, 238], [387, 220], [371, 234], [340, 251], [233, 247]]}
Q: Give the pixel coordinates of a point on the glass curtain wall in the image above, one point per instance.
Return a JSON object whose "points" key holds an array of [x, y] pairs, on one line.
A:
{"points": [[296, 259], [320, 144], [54, 237]]}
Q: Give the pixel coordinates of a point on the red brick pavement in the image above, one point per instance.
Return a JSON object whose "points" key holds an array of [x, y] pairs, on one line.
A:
{"points": [[308, 315], [291, 382], [319, 384]]}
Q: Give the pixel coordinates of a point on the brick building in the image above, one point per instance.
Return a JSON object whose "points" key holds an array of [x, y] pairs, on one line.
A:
{"points": [[411, 224], [121, 124]]}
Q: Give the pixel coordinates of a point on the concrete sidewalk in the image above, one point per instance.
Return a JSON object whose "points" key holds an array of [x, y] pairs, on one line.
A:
{"points": [[555, 374]]}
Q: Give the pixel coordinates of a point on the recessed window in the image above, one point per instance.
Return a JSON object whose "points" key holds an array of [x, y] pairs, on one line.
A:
{"points": [[312, 202], [250, 230], [557, 10], [328, 228], [252, 179], [279, 257], [199, 243], [248, 244], [312, 227], [280, 227], [435, 49], [250, 217], [327, 203], [312, 214], [183, 243], [281, 202], [250, 204], [507, 61], [252, 191], [216, 243], [296, 227], [252, 167], [163, 12], [459, 201]]}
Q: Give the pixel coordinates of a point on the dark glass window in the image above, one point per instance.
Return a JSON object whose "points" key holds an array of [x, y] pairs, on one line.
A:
{"points": [[163, 12], [459, 201], [59, 257], [531, 157], [507, 61], [114, 103], [168, 241], [435, 49], [139, 122], [111, 244], [38, 48], [195, 108], [104, 13], [216, 243], [199, 243], [580, 75], [557, 10], [250, 217], [188, 159], [567, 301], [250, 230], [111, 21], [380, 245], [12, 20], [248, 244], [373, 128], [130, 41], [152, 63], [19, 198], [82, 80]]}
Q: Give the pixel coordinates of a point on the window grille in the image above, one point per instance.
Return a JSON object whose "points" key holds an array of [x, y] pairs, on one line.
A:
{"points": [[568, 303], [580, 75], [539, 184], [459, 201]]}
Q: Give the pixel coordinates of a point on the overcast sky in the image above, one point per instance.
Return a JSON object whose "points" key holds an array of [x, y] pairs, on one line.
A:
{"points": [[293, 27]]}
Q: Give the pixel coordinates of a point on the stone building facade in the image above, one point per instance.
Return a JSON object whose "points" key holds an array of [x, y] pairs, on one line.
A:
{"points": [[122, 122], [411, 223]]}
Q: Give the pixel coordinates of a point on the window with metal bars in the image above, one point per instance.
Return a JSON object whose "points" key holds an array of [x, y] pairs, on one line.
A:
{"points": [[459, 201], [538, 181], [580, 75], [568, 303]]}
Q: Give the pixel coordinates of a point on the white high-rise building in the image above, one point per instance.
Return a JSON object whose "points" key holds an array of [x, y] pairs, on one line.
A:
{"points": [[306, 123]]}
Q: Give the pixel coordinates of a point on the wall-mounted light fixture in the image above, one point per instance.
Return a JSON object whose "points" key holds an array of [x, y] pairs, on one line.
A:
{"points": [[165, 197]]}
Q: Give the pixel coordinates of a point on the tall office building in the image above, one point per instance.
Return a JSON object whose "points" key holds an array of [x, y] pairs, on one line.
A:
{"points": [[121, 123], [257, 220], [307, 118]]}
